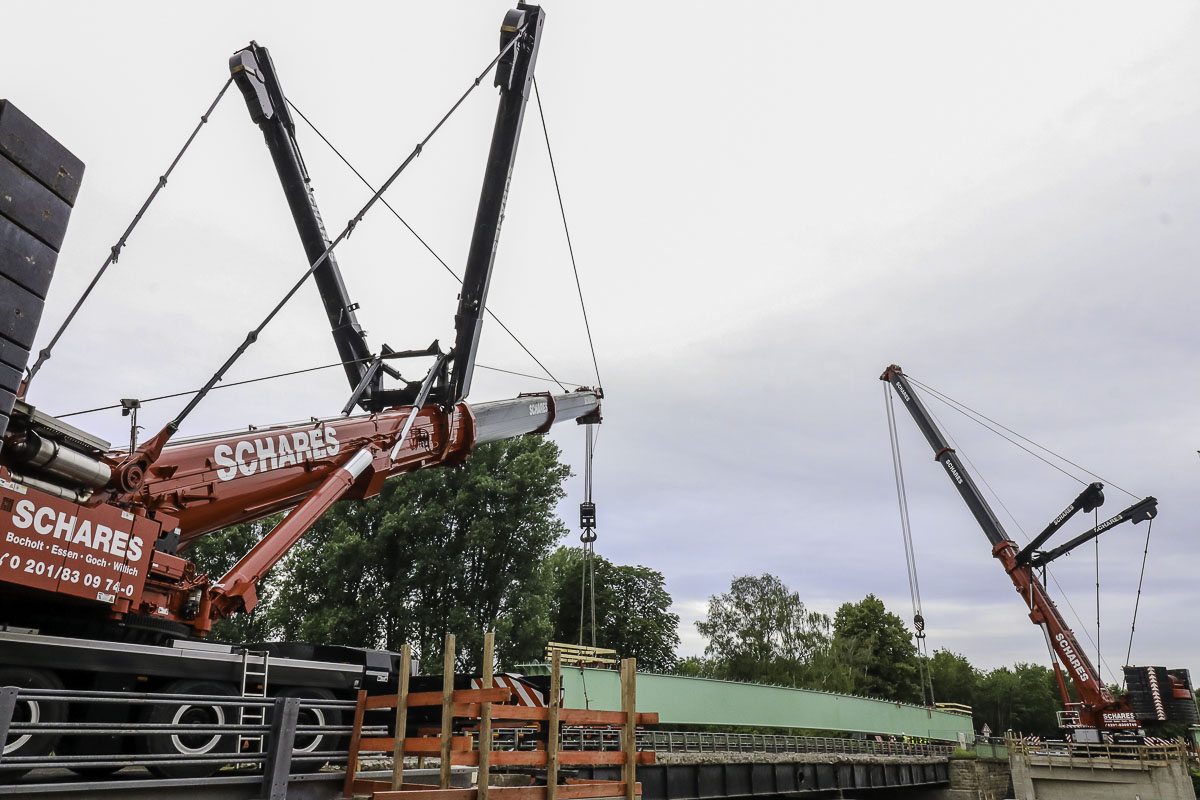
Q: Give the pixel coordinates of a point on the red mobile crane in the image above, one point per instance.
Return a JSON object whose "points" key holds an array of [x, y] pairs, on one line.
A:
{"points": [[96, 591], [1155, 694]]}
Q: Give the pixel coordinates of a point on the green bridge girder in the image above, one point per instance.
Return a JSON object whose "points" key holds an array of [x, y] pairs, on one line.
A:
{"points": [[704, 701]]}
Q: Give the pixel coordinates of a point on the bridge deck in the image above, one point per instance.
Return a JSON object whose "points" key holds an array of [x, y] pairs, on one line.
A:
{"points": [[703, 701]]}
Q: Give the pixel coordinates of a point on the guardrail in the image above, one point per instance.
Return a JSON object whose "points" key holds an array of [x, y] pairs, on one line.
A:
{"points": [[990, 747], [186, 749], [575, 738], [1093, 756]]}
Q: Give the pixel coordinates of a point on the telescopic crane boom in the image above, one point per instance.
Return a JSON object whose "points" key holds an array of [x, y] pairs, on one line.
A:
{"points": [[1097, 707]]}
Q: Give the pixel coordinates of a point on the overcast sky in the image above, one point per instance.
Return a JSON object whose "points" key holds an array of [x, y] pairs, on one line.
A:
{"points": [[769, 204]]}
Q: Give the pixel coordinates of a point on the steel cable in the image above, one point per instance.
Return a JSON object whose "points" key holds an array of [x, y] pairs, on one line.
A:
{"points": [[421, 239], [959, 407], [1138, 600], [910, 560], [1096, 542], [115, 251], [301, 371], [567, 231]]}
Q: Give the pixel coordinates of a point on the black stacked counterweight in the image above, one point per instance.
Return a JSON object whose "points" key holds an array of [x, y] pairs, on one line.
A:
{"points": [[39, 181]]}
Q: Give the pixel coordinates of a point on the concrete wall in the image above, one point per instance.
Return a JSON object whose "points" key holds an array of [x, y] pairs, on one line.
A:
{"points": [[1169, 781], [975, 779]]}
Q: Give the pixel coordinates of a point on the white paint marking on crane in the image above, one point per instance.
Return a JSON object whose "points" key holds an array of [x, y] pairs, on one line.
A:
{"points": [[356, 465]]}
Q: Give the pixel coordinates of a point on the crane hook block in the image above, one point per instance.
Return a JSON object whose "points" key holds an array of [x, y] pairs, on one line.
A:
{"points": [[587, 515]]}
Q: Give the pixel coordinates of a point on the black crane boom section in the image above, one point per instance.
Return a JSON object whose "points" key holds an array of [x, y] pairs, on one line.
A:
{"points": [[1090, 498], [945, 455], [1140, 511], [514, 77], [254, 73]]}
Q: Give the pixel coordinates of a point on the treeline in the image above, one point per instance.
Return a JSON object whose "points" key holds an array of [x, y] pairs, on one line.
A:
{"points": [[761, 631]]}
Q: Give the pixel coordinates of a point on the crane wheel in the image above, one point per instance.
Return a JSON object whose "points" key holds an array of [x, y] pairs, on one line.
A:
{"points": [[309, 743], [43, 711], [191, 745]]}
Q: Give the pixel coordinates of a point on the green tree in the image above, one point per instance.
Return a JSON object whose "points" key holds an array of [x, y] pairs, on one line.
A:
{"points": [[954, 679], [760, 631], [214, 555], [632, 609], [1024, 699], [833, 666], [887, 665], [456, 550], [696, 667]]}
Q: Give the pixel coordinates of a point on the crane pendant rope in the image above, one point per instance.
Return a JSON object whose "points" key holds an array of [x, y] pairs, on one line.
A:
{"points": [[1096, 541], [114, 252], [995, 427], [428, 247], [566, 230], [1138, 599]]}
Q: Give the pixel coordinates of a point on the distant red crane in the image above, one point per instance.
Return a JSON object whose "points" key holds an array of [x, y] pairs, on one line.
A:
{"points": [[1096, 707]]}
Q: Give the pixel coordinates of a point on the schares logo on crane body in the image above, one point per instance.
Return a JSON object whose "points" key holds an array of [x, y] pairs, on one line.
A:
{"points": [[1065, 512], [266, 453], [72, 530], [1072, 657]]}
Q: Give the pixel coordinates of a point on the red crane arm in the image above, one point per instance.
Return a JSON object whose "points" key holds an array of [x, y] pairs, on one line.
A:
{"points": [[217, 481], [1090, 689], [212, 482]]}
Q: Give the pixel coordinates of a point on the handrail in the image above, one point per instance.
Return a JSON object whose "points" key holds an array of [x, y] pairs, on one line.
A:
{"points": [[1094, 755]]}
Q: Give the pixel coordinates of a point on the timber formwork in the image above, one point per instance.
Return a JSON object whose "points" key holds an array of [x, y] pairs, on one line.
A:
{"points": [[481, 707]]}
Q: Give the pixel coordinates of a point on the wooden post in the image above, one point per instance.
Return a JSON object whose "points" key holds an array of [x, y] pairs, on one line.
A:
{"points": [[552, 724], [629, 707], [401, 716], [485, 717], [447, 708], [360, 709]]}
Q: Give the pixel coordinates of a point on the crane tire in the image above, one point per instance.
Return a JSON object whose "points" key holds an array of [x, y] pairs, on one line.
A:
{"points": [[183, 712], [46, 711], [311, 743]]}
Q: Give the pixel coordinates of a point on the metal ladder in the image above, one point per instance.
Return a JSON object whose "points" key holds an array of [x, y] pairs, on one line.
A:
{"points": [[254, 685]]}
